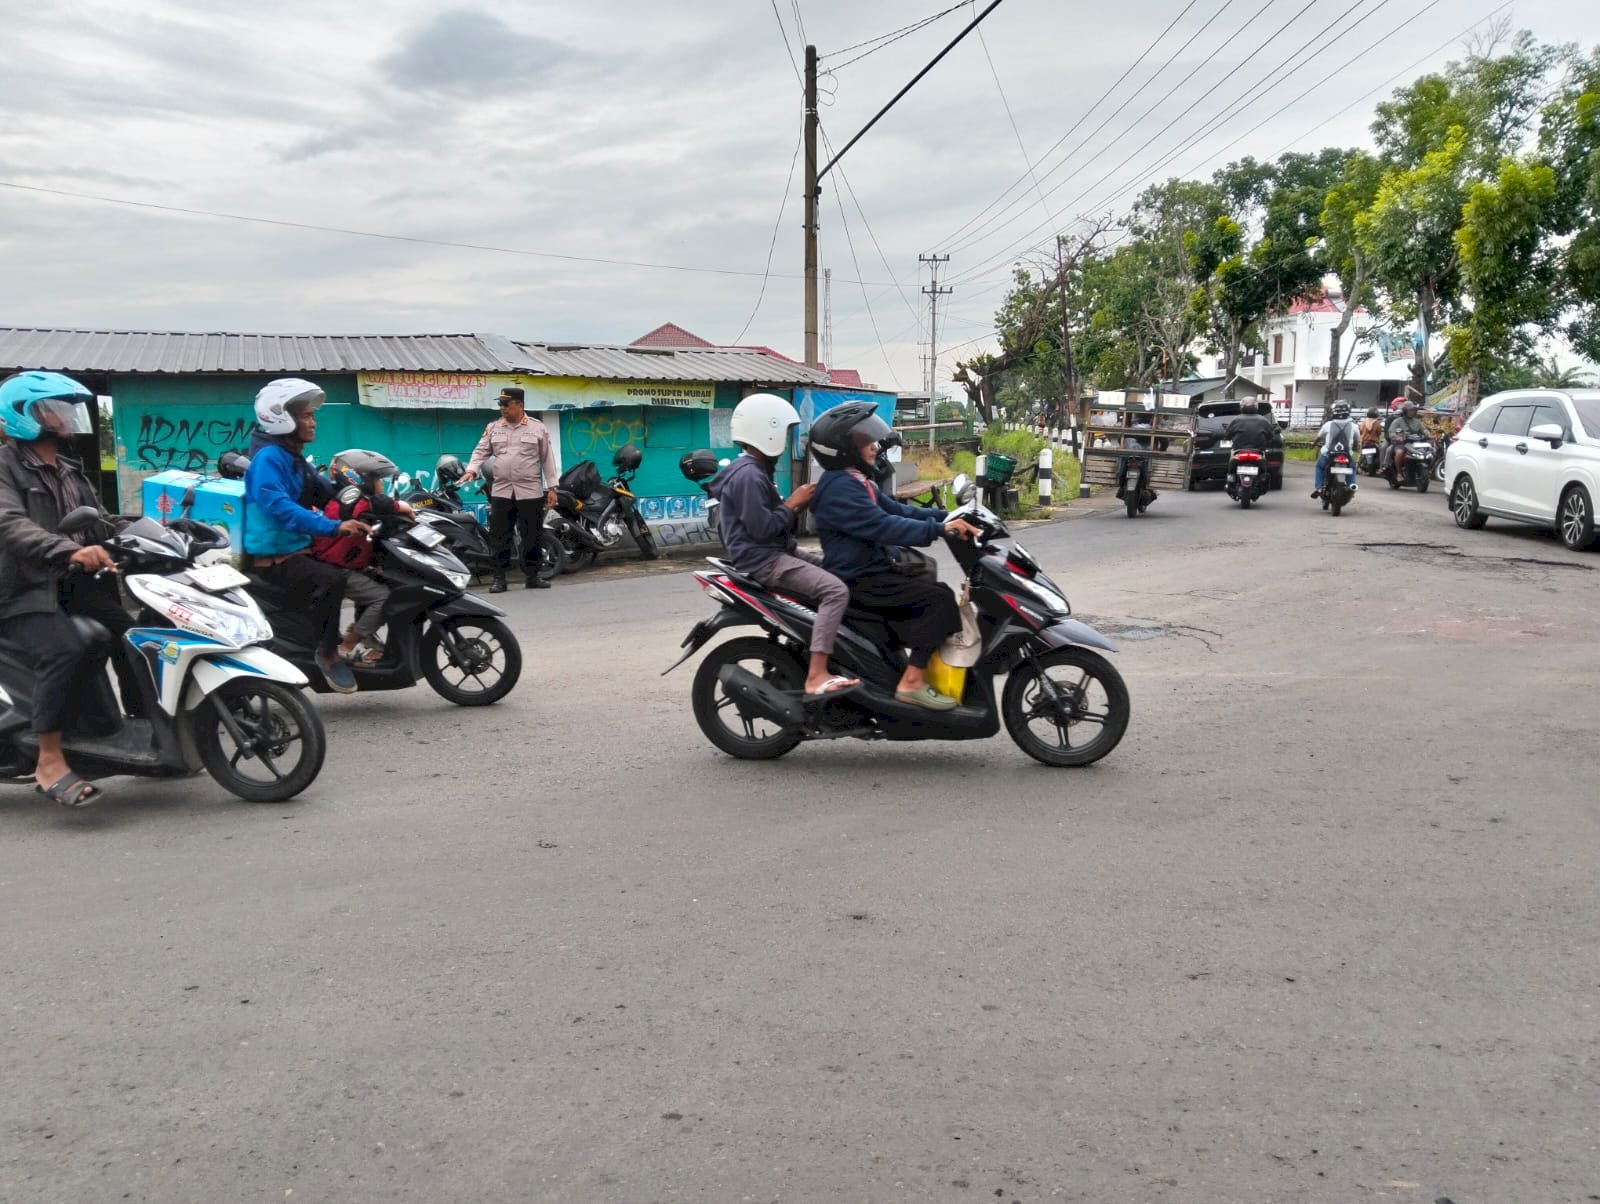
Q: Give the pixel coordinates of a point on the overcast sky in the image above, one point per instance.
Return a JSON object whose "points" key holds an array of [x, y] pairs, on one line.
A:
{"points": [[630, 130]]}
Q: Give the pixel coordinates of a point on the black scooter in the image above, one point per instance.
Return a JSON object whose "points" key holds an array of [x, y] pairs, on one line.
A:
{"points": [[1247, 476], [437, 632], [591, 517], [1339, 487], [465, 535], [1063, 703]]}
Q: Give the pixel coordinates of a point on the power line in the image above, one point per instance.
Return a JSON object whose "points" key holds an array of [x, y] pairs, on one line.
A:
{"points": [[890, 40], [1104, 96], [784, 29], [862, 213], [1000, 88], [406, 238], [773, 245], [895, 33], [850, 242]]}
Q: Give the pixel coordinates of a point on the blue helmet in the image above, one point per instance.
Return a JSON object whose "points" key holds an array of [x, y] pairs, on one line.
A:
{"points": [[32, 401]]}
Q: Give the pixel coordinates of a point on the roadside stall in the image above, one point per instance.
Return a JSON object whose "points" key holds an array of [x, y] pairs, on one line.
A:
{"points": [[1139, 444]]}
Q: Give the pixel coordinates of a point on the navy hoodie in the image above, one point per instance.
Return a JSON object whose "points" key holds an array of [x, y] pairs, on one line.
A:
{"points": [[756, 526], [862, 527]]}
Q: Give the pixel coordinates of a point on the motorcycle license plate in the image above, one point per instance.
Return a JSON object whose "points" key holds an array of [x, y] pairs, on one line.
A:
{"points": [[215, 578], [1226, 443], [1341, 472], [1247, 472]]}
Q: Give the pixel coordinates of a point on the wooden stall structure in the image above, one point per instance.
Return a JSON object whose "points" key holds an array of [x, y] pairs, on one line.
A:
{"points": [[1162, 426]]}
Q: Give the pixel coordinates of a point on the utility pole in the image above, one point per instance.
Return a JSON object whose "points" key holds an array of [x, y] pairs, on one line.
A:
{"points": [[1066, 341], [827, 315], [814, 176], [934, 292], [812, 194]]}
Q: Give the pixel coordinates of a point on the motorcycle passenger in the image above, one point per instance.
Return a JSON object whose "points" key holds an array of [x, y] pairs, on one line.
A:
{"points": [[758, 528], [1338, 431], [1372, 429], [39, 597], [357, 476], [861, 526], [283, 500], [1401, 431]]}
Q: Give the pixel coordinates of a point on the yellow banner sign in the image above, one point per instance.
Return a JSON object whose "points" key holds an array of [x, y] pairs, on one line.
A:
{"points": [[477, 391]]}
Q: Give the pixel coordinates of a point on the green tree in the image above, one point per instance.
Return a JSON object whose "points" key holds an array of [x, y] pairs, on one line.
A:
{"points": [[1340, 252], [1569, 137]]}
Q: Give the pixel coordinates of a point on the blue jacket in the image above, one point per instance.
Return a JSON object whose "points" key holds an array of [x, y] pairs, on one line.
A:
{"points": [[276, 519], [862, 527], [756, 526]]}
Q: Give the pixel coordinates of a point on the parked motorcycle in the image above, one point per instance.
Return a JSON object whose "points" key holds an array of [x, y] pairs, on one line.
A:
{"points": [[701, 467], [1417, 471], [212, 696], [1339, 488], [592, 517], [437, 632], [1247, 476], [465, 534], [1063, 703]]}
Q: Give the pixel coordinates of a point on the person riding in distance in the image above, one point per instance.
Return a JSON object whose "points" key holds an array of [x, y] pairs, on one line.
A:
{"points": [[1372, 429], [40, 484], [1338, 431], [282, 498], [1253, 428], [1402, 430], [861, 526], [758, 528]]}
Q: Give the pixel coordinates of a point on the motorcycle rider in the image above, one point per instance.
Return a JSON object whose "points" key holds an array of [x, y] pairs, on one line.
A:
{"points": [[364, 472], [1401, 431], [1253, 428], [39, 596], [283, 500], [1338, 431], [758, 528], [1372, 429], [861, 526]]}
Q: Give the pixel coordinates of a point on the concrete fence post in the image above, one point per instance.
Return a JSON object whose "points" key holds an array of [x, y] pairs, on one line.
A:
{"points": [[1046, 457]]}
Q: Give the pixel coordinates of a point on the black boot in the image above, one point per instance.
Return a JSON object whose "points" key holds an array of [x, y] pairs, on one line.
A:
{"points": [[498, 585]]}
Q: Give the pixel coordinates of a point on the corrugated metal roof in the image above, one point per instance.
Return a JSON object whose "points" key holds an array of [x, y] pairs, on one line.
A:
{"points": [[602, 362], [170, 352]]}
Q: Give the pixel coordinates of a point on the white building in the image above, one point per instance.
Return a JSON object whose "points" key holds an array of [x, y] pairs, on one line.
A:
{"points": [[1294, 367]]}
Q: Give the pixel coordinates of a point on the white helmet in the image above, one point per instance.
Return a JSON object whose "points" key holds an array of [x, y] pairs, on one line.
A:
{"points": [[762, 421], [275, 398]]}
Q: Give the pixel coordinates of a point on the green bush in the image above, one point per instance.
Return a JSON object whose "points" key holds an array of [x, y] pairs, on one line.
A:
{"points": [[1026, 448]]}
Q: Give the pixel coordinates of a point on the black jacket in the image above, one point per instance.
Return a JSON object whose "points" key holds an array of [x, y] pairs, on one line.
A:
{"points": [[33, 552], [1254, 431]]}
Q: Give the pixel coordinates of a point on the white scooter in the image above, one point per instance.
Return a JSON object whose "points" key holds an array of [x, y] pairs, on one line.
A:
{"points": [[212, 699]]}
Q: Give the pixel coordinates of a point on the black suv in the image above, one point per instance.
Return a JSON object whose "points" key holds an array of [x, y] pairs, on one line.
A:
{"points": [[1210, 463]]}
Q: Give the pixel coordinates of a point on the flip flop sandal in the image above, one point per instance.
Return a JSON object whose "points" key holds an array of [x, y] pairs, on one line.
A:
{"points": [[71, 790], [928, 698], [834, 687]]}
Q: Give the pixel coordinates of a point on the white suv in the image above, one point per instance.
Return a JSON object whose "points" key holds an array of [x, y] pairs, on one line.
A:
{"points": [[1531, 456]]}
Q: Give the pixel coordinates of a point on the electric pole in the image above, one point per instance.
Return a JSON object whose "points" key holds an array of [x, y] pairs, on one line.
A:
{"points": [[827, 315], [934, 292], [813, 192], [814, 176]]}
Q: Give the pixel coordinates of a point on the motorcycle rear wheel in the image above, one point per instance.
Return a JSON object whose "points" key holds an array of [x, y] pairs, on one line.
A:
{"points": [[273, 718], [642, 537], [486, 653], [750, 739], [1026, 703], [552, 556]]}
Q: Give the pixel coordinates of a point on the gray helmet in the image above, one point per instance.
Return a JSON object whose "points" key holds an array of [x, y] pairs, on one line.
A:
{"points": [[365, 464], [1341, 409]]}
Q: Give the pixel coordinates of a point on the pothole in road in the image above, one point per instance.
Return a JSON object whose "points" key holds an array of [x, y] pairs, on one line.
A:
{"points": [[1449, 554], [1130, 631]]}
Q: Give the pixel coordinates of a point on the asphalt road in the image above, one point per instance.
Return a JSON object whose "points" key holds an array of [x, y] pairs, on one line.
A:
{"points": [[1323, 928]]}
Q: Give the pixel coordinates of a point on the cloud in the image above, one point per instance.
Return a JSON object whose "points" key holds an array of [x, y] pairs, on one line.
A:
{"points": [[470, 52]]}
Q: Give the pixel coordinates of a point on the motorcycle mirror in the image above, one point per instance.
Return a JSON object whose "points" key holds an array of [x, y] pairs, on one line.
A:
{"points": [[402, 482], [77, 521], [963, 488]]}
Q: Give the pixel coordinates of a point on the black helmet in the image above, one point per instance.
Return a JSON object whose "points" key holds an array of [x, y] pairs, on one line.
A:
{"points": [[232, 465], [699, 465], [449, 469], [1373, 412], [1264, 408], [627, 458], [836, 438]]}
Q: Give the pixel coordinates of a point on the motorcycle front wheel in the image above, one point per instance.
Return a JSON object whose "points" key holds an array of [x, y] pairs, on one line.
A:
{"points": [[1067, 693], [470, 661], [552, 556], [260, 740], [715, 712]]}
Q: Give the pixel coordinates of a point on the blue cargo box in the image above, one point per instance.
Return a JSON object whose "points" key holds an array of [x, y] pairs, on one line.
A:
{"points": [[215, 501]]}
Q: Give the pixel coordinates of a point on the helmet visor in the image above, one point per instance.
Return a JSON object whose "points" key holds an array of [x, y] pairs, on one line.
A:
{"points": [[60, 417], [870, 429]]}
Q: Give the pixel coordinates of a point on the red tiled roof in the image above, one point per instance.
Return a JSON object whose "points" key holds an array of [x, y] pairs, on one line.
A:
{"points": [[845, 376], [670, 334]]}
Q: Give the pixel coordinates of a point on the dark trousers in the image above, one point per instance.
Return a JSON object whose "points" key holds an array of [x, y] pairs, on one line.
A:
{"points": [[311, 594], [63, 660], [527, 513], [919, 614]]}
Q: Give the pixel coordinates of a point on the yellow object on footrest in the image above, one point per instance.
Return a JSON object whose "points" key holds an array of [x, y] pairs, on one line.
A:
{"points": [[947, 679]]}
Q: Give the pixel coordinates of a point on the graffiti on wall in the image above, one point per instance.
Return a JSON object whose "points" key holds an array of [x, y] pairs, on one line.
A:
{"points": [[590, 434], [189, 444], [678, 521]]}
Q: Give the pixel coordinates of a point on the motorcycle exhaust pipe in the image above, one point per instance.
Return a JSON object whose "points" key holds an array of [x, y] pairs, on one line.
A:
{"points": [[757, 699]]}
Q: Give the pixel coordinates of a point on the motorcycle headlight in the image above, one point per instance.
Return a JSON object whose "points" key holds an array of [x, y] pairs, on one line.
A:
{"points": [[459, 580]]}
